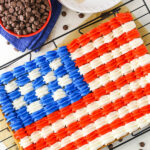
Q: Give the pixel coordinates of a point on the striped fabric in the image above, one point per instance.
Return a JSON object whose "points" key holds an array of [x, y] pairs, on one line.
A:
{"points": [[84, 95]]}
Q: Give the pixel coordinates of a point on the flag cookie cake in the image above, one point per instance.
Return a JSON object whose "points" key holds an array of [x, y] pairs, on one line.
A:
{"points": [[84, 95]]}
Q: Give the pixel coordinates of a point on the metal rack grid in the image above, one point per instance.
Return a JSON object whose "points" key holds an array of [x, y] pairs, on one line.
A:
{"points": [[79, 29]]}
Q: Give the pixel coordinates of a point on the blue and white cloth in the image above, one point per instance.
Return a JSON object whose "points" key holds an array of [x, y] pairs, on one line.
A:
{"points": [[35, 41]]}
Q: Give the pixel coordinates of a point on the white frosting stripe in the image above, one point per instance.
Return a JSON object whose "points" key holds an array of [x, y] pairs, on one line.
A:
{"points": [[35, 136], [49, 77], [129, 26], [11, 86], [55, 64], [25, 142], [33, 107], [18, 103], [26, 88], [46, 131], [42, 91], [65, 80], [59, 94], [34, 74]]}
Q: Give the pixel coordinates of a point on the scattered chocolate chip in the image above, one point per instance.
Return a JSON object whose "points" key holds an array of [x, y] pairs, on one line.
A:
{"points": [[142, 144], [63, 13], [8, 43], [120, 140], [110, 146], [81, 15], [24, 16], [65, 27]]}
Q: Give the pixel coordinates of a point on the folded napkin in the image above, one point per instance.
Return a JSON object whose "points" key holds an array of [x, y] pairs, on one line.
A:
{"points": [[36, 40]]}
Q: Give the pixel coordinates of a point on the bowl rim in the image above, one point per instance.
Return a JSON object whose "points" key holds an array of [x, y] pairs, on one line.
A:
{"points": [[34, 33]]}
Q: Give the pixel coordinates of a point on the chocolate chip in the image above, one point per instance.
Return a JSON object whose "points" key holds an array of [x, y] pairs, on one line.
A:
{"points": [[28, 9], [36, 22], [34, 11], [120, 140], [11, 10], [65, 27], [6, 5], [1, 8], [29, 29], [13, 4], [19, 3], [63, 13], [19, 32], [81, 15], [32, 1], [8, 43], [38, 1], [33, 26], [43, 6], [1, 1], [24, 16], [17, 9], [31, 19], [142, 144], [13, 18], [42, 10], [24, 32], [28, 25], [110, 146], [21, 17]]}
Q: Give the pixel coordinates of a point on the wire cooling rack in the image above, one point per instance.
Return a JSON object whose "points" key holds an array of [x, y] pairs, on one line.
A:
{"points": [[79, 29]]}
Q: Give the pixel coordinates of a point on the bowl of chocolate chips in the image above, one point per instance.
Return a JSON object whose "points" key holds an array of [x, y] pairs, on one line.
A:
{"points": [[24, 18]]}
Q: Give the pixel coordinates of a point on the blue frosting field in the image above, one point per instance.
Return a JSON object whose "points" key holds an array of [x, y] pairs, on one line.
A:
{"points": [[74, 91]]}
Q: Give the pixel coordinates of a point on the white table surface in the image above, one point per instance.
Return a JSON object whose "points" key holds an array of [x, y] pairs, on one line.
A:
{"points": [[8, 53]]}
